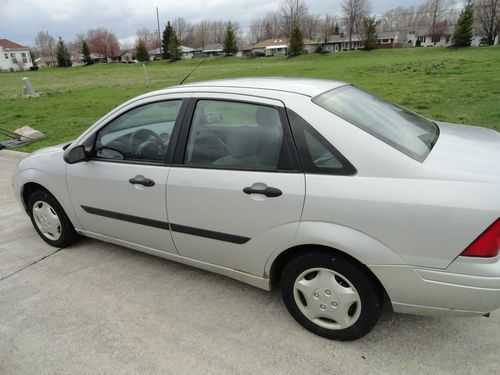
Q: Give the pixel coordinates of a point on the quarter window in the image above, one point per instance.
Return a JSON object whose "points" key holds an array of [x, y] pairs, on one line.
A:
{"points": [[227, 134], [142, 134]]}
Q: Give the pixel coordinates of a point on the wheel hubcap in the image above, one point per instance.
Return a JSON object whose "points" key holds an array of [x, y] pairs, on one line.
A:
{"points": [[46, 220], [327, 298]]}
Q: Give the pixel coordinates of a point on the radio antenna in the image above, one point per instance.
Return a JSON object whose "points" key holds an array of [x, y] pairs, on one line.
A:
{"points": [[196, 67]]}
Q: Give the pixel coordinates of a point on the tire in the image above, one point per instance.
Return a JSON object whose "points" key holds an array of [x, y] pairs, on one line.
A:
{"points": [[331, 295], [49, 219]]}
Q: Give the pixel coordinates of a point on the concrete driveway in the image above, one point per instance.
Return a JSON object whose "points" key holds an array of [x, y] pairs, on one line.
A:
{"points": [[96, 308]]}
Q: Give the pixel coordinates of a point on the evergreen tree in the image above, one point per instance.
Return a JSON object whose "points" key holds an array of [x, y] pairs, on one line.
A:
{"points": [[463, 34], [141, 51], [62, 54], [167, 34], [174, 46], [87, 59], [296, 43], [370, 37], [230, 43]]}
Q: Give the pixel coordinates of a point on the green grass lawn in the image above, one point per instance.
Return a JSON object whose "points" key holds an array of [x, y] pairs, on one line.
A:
{"points": [[454, 85]]}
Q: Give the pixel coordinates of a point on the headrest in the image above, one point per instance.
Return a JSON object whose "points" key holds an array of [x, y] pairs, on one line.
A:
{"points": [[242, 141], [267, 117]]}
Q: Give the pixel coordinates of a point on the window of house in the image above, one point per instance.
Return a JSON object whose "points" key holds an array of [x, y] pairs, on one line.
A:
{"points": [[6, 55], [23, 56], [14, 58], [142, 134], [385, 40], [227, 134]]}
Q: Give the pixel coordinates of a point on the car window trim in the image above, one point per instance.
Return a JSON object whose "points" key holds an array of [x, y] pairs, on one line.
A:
{"points": [[90, 142], [299, 126], [181, 146]]}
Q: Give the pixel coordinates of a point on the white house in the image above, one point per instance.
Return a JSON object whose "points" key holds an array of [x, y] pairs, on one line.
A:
{"points": [[14, 57]]}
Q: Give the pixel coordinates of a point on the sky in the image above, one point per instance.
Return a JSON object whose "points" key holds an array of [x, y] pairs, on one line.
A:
{"points": [[20, 20]]}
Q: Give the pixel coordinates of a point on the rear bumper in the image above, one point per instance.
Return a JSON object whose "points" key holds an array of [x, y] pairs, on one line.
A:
{"points": [[469, 286]]}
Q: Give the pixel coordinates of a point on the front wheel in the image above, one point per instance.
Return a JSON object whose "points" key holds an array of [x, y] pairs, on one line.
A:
{"points": [[331, 295], [50, 220]]}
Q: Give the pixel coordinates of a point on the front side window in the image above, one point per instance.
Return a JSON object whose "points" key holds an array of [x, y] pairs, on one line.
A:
{"points": [[402, 129], [234, 135], [142, 134]]}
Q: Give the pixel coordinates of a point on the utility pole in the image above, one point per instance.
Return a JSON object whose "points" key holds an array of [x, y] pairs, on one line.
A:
{"points": [[158, 22]]}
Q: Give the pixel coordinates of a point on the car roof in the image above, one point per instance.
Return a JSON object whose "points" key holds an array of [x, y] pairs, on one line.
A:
{"points": [[304, 86]]}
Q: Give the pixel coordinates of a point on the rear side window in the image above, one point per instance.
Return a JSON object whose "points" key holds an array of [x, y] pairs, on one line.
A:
{"points": [[400, 128], [318, 156], [227, 134]]}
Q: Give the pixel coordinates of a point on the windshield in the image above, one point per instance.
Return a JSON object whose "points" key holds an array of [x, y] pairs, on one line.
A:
{"points": [[404, 130]]}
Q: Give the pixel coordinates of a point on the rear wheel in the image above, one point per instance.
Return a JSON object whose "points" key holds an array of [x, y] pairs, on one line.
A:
{"points": [[50, 220], [331, 295]]}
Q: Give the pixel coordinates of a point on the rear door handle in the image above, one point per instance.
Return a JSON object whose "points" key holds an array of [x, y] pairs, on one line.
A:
{"points": [[270, 192], [141, 180]]}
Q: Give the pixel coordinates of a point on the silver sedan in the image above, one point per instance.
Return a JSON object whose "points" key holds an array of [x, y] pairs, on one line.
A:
{"points": [[344, 199]]}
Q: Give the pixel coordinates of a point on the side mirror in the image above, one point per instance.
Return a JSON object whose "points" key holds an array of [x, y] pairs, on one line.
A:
{"points": [[75, 155]]}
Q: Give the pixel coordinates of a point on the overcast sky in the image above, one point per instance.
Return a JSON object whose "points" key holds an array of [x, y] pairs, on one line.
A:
{"points": [[20, 20]]}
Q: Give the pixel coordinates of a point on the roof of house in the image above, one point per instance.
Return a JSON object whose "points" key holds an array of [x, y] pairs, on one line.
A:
{"points": [[214, 47], [277, 42], [5, 43]]}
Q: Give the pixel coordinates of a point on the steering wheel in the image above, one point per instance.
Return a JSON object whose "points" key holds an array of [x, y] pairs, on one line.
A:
{"points": [[145, 142]]}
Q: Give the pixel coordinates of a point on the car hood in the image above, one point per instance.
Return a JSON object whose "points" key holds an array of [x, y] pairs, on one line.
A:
{"points": [[47, 150], [469, 149]]}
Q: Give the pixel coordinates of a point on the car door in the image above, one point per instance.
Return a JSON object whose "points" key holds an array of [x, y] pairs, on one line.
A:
{"points": [[120, 191], [236, 190]]}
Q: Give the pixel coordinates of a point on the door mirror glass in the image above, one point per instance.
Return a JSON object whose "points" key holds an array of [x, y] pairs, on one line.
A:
{"points": [[76, 155]]}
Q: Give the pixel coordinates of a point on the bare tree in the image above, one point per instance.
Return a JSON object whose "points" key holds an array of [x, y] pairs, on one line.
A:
{"points": [[398, 19], [354, 12], [436, 10], [264, 28], [327, 29], [488, 18], [149, 38], [182, 28], [292, 14], [311, 25], [45, 45]]}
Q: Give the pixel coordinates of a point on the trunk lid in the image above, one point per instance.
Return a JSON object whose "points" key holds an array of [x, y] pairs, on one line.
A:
{"points": [[467, 149]]}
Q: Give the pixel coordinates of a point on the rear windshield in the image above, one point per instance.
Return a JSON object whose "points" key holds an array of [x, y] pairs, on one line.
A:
{"points": [[402, 129]]}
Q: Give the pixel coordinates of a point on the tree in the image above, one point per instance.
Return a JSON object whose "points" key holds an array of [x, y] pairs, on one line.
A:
{"points": [[62, 54], [141, 51], [181, 27], [267, 27], [149, 38], [327, 29], [292, 14], [488, 18], [102, 42], [354, 12], [463, 34], [85, 52], [45, 44], [398, 19], [230, 43], [296, 43], [167, 34], [370, 36], [174, 47]]}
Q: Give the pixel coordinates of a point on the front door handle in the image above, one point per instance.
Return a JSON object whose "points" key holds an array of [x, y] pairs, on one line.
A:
{"points": [[141, 180], [268, 191]]}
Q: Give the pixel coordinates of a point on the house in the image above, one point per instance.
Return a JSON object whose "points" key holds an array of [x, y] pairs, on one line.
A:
{"points": [[14, 57], [276, 47], [188, 52], [127, 56], [213, 50], [45, 61], [155, 54], [341, 42], [422, 36]]}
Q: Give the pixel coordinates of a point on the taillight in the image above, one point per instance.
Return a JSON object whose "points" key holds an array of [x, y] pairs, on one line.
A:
{"points": [[487, 244]]}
